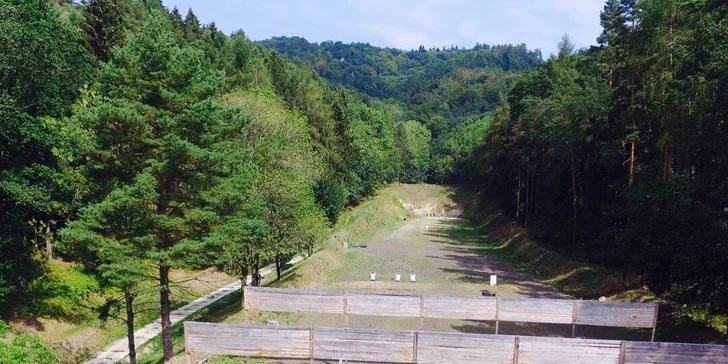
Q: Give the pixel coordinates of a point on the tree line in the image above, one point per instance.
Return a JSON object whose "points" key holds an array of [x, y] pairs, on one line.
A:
{"points": [[135, 141], [448, 89], [617, 154]]}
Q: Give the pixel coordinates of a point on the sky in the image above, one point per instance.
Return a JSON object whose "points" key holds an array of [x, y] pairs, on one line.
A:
{"points": [[407, 24]]}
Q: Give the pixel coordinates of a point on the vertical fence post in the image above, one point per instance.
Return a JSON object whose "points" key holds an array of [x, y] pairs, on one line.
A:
{"points": [[310, 344], [516, 347], [497, 313], [654, 322], [188, 351], [346, 309], [422, 312], [245, 301], [415, 344], [622, 350], [573, 321]]}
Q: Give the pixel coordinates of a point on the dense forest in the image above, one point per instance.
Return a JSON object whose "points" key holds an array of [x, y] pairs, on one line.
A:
{"points": [[450, 90], [617, 154], [135, 140]]}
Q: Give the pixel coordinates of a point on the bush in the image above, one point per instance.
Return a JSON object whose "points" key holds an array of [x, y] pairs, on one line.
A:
{"points": [[331, 196], [62, 292], [23, 348]]}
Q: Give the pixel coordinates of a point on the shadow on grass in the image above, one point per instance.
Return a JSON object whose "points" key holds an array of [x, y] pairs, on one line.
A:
{"points": [[151, 353]]}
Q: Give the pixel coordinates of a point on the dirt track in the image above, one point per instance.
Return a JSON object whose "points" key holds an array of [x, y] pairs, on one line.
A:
{"points": [[445, 253]]}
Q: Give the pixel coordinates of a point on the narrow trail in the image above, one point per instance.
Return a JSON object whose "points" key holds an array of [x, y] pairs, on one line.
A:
{"points": [[119, 349]]}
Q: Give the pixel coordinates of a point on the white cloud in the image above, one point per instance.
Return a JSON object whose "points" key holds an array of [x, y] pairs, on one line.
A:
{"points": [[409, 23]]}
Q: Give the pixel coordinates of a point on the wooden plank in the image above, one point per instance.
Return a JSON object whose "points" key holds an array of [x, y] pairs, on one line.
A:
{"points": [[294, 300], [363, 345], [537, 310], [513, 309], [459, 307], [188, 354], [455, 348], [248, 340], [543, 350], [618, 314], [280, 342], [674, 353], [654, 323], [383, 304]]}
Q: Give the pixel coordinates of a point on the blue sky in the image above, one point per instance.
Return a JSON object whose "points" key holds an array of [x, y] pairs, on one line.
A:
{"points": [[408, 23]]}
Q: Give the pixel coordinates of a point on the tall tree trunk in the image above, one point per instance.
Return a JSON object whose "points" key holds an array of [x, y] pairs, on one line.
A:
{"points": [[631, 164], [279, 265], [129, 300], [518, 194], [634, 142], [666, 164], [573, 194], [528, 196], [243, 283], [256, 271], [611, 68], [48, 237], [165, 308]]}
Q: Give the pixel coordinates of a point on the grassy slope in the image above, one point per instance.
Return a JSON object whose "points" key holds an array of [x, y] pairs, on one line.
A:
{"points": [[76, 333], [511, 243]]}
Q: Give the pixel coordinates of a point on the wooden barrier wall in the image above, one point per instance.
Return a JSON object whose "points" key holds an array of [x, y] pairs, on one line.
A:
{"points": [[313, 343], [441, 306]]}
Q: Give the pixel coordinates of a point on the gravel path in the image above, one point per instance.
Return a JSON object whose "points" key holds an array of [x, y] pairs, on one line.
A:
{"points": [[447, 255], [119, 349]]}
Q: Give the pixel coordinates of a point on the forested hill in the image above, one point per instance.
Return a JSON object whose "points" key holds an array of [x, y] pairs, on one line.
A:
{"points": [[450, 90], [414, 76]]}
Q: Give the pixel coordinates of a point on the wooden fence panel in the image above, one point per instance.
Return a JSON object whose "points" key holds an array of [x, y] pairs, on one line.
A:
{"points": [[621, 314], [459, 307], [537, 310], [512, 309], [542, 350], [248, 340], [673, 353], [364, 345], [279, 342], [436, 347], [383, 304], [294, 300]]}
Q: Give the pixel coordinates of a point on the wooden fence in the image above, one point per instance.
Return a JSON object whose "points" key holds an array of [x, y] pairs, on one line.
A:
{"points": [[506, 309], [313, 343]]}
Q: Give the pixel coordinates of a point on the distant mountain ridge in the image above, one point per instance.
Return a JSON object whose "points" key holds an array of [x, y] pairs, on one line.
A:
{"points": [[467, 80]]}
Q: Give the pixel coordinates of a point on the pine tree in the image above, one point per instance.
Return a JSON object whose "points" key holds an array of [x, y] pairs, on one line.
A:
{"points": [[104, 25], [157, 128]]}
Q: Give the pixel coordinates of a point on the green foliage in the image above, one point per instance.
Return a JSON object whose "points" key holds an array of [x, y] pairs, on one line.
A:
{"points": [[452, 153], [594, 149], [63, 293], [23, 348], [42, 68], [440, 88], [331, 195], [414, 140]]}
